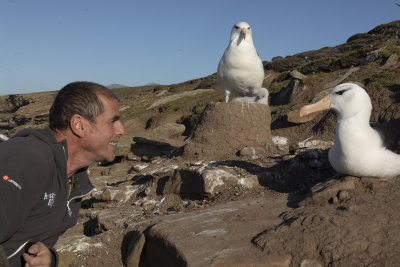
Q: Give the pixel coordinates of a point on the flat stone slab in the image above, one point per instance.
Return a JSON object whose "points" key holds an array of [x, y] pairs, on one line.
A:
{"points": [[216, 236]]}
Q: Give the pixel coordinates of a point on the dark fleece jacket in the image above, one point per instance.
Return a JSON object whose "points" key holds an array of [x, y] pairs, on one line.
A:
{"points": [[34, 203]]}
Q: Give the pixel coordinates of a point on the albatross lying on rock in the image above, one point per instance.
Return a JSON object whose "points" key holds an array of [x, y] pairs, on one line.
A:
{"points": [[359, 149], [240, 69]]}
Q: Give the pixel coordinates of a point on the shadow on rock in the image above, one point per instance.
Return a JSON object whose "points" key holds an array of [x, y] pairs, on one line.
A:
{"points": [[282, 123], [148, 149], [131, 249], [295, 176], [396, 89]]}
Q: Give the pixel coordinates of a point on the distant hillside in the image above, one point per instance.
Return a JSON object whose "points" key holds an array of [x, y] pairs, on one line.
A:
{"points": [[115, 86]]}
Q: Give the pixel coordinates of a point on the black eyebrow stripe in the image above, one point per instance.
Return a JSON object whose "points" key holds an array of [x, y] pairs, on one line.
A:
{"points": [[341, 92]]}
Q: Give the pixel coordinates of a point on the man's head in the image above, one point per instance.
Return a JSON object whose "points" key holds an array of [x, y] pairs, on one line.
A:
{"points": [[89, 112], [78, 98]]}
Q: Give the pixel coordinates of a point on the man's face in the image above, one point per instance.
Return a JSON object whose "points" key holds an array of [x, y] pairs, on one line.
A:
{"points": [[104, 134]]}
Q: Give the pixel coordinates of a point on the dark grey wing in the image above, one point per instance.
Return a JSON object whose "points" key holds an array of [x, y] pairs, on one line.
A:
{"points": [[390, 133]]}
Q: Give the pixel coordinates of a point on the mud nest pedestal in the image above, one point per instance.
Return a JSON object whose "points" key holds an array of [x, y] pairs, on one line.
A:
{"points": [[226, 128]]}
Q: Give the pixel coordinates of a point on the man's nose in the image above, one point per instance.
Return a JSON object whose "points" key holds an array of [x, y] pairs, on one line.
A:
{"points": [[120, 129]]}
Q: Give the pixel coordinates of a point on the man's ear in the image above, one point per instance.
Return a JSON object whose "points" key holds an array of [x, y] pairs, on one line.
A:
{"points": [[78, 125]]}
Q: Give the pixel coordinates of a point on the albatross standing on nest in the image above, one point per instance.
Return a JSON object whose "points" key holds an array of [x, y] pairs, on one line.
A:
{"points": [[240, 69], [359, 149]]}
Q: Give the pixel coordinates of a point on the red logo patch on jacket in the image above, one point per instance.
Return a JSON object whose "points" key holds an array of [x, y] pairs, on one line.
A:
{"points": [[7, 178]]}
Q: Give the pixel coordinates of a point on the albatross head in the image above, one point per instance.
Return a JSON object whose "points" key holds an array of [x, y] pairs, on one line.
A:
{"points": [[347, 99], [241, 31]]}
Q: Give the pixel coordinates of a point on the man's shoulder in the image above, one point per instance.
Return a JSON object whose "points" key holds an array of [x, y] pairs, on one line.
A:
{"points": [[26, 147], [27, 158]]}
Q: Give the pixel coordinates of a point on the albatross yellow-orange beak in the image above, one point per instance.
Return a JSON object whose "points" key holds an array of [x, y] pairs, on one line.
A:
{"points": [[244, 33], [323, 104]]}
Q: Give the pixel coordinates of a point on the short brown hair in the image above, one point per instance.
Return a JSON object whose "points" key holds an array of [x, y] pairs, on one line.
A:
{"points": [[77, 98]]}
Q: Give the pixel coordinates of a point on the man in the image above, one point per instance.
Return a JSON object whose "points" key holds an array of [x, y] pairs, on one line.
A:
{"points": [[43, 172]]}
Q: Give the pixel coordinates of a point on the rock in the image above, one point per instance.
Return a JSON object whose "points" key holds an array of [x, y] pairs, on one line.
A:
{"points": [[134, 248], [323, 193], [118, 170], [170, 203], [204, 180], [168, 130], [120, 196], [282, 143], [209, 238], [100, 181], [217, 180], [3, 138], [279, 140], [139, 167], [315, 144], [148, 149], [373, 55], [391, 61], [106, 195], [113, 195], [106, 219], [297, 75], [310, 263], [292, 90]]}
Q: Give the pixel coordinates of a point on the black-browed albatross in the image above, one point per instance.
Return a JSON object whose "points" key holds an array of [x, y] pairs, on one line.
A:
{"points": [[359, 149]]}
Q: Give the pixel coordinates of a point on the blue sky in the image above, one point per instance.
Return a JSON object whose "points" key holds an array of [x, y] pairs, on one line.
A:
{"points": [[46, 44]]}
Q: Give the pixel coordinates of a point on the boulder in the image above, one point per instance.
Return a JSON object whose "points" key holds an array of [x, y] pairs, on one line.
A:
{"points": [[292, 90], [218, 236]]}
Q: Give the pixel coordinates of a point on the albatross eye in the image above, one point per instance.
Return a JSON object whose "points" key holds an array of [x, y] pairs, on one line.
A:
{"points": [[236, 27], [341, 92]]}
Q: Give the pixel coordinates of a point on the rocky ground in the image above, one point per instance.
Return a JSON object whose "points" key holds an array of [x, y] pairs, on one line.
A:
{"points": [[198, 182]]}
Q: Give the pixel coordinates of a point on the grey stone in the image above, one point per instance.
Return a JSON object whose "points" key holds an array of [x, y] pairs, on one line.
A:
{"points": [[208, 238], [373, 55], [292, 90], [326, 192], [391, 61]]}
